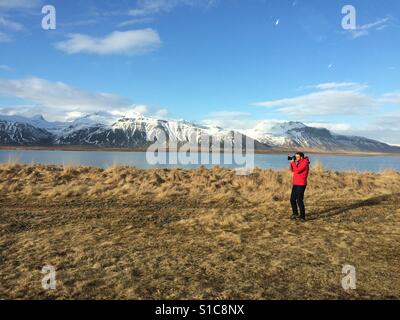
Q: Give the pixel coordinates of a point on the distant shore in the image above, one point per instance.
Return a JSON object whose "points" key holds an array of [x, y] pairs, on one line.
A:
{"points": [[144, 149]]}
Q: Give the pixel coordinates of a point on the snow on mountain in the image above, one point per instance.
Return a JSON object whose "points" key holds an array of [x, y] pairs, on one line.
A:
{"points": [[297, 135], [103, 129], [15, 133], [100, 130], [37, 121], [274, 133], [90, 120], [176, 130]]}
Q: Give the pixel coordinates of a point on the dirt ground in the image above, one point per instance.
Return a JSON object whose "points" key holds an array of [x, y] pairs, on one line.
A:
{"points": [[125, 233]]}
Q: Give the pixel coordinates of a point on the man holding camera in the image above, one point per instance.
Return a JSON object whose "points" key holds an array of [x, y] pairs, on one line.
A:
{"points": [[300, 166]]}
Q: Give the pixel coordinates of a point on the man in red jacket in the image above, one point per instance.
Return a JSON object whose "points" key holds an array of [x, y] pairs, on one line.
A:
{"points": [[300, 168]]}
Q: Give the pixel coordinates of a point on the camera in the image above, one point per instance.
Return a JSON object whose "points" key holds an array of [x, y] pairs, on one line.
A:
{"points": [[290, 158]]}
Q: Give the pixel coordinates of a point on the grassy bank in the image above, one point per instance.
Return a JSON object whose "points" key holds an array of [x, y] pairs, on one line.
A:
{"points": [[138, 234]]}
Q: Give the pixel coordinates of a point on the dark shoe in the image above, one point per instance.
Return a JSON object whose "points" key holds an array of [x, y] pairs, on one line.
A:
{"points": [[294, 216], [302, 219]]}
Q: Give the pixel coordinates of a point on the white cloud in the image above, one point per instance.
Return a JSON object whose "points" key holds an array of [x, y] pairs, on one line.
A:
{"points": [[4, 37], [231, 124], [11, 25], [326, 102], [334, 127], [131, 112], [391, 120], [18, 4], [16, 110], [70, 116], [33, 110], [135, 21], [59, 101], [59, 95], [228, 114], [383, 128], [77, 23], [118, 42], [331, 98], [151, 7], [391, 98], [4, 67], [162, 113], [365, 29], [337, 85]]}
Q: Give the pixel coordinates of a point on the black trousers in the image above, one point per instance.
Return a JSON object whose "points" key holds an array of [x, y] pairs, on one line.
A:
{"points": [[297, 199]]}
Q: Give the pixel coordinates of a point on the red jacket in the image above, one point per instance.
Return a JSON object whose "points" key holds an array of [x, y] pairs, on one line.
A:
{"points": [[300, 171]]}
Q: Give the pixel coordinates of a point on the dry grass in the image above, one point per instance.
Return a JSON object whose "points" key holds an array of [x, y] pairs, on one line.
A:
{"points": [[208, 234]]}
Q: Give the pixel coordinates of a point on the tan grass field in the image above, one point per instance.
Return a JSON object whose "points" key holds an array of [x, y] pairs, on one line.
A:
{"points": [[125, 233]]}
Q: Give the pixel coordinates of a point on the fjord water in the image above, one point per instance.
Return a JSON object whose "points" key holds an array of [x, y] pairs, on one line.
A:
{"points": [[138, 159]]}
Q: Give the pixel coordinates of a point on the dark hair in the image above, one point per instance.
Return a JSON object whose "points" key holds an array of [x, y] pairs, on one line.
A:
{"points": [[301, 154]]}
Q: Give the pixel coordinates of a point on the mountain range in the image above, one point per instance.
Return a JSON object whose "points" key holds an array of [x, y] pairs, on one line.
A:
{"points": [[104, 130]]}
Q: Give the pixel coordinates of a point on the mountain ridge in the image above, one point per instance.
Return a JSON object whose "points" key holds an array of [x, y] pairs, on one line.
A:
{"points": [[105, 130]]}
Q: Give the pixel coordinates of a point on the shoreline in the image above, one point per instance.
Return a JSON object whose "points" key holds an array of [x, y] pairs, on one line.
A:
{"points": [[127, 150]]}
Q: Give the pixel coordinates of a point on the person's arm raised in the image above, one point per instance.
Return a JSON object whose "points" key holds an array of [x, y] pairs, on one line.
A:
{"points": [[299, 168]]}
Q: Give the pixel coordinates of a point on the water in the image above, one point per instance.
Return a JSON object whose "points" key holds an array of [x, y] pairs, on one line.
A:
{"points": [[138, 159]]}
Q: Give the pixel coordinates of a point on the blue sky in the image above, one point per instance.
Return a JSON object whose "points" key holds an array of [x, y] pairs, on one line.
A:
{"points": [[224, 62]]}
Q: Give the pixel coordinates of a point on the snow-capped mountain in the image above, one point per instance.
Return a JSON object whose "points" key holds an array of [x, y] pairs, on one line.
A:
{"points": [[297, 135], [23, 134], [90, 120], [37, 121], [275, 133], [102, 129]]}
